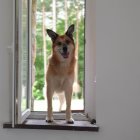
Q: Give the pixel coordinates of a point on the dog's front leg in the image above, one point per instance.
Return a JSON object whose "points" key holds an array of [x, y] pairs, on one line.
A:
{"points": [[68, 96], [49, 93]]}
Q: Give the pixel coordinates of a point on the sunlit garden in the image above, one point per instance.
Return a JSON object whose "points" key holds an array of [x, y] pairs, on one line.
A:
{"points": [[56, 15]]}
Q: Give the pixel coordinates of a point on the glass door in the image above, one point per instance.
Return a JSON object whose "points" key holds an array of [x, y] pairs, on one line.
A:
{"points": [[23, 62]]}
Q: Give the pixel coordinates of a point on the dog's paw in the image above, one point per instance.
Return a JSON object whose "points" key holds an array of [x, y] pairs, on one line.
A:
{"points": [[70, 121], [49, 120]]}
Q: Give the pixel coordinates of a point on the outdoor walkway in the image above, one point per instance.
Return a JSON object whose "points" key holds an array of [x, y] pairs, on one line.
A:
{"points": [[41, 105]]}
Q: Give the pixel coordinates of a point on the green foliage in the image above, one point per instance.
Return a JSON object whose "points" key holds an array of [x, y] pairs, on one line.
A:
{"points": [[39, 83], [60, 27], [81, 54], [47, 3]]}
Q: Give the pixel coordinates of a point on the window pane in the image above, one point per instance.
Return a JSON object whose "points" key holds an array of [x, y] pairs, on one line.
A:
{"points": [[24, 55]]}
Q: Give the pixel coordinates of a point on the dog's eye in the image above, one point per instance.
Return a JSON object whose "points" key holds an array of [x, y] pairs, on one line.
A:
{"points": [[59, 43], [67, 41]]}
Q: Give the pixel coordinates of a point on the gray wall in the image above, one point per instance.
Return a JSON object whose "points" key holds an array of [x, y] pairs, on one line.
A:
{"points": [[118, 74]]}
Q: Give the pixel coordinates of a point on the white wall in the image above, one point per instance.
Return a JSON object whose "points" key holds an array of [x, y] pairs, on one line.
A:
{"points": [[118, 74], [118, 68], [90, 59]]}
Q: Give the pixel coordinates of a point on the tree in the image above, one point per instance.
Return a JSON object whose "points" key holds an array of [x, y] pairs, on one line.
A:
{"points": [[66, 15], [54, 15], [76, 81], [33, 23], [44, 42]]}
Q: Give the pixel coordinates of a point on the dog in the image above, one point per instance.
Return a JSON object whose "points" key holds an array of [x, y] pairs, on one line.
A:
{"points": [[60, 72]]}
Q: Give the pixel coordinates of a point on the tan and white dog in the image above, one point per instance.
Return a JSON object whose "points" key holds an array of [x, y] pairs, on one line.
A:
{"points": [[60, 73]]}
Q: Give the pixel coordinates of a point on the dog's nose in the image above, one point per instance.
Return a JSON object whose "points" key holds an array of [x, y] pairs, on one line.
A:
{"points": [[65, 49]]}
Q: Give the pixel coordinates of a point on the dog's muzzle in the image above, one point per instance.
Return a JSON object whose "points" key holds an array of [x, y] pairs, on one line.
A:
{"points": [[65, 52], [65, 49]]}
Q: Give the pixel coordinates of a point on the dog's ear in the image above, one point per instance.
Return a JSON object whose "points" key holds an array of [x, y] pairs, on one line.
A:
{"points": [[70, 31], [52, 34]]}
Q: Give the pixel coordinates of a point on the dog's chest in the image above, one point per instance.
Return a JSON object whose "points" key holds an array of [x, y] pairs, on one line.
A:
{"points": [[59, 83], [60, 76]]}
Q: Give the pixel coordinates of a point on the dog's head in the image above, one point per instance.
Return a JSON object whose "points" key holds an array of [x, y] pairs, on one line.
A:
{"points": [[62, 45]]}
